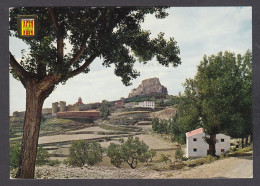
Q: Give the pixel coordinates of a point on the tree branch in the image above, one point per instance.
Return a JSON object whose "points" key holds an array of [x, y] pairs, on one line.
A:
{"points": [[18, 69], [54, 20], [78, 54], [60, 44], [83, 67], [48, 82]]}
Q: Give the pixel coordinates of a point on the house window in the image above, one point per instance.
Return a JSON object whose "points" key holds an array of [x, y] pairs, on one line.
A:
{"points": [[194, 150], [194, 139], [222, 150], [222, 140]]}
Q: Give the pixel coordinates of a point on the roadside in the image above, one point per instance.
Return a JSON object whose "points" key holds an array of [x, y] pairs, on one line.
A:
{"points": [[233, 167]]}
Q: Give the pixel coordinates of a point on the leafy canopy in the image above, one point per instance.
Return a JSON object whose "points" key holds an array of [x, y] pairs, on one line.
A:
{"points": [[219, 98], [113, 33]]}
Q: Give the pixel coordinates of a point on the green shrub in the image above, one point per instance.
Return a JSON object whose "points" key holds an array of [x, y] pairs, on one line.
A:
{"points": [[15, 149], [149, 155], [83, 152], [131, 152], [165, 158], [53, 162], [104, 109], [115, 154], [42, 157], [179, 155]]}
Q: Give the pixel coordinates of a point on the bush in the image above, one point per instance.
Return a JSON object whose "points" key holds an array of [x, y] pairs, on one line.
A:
{"points": [[15, 149], [165, 158], [179, 155], [104, 109], [53, 162], [115, 154], [42, 157], [83, 152], [131, 152], [149, 155]]}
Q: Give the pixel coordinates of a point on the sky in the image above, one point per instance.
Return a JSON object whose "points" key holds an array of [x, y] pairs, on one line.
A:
{"points": [[198, 31]]}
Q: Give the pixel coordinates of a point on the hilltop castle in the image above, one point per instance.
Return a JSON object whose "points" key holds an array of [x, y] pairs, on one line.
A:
{"points": [[149, 87]]}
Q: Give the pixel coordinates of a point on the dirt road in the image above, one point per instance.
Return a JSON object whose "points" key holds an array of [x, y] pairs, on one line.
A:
{"points": [[241, 167]]}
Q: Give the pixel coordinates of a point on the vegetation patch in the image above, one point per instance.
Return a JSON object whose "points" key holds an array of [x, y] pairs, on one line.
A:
{"points": [[131, 152], [84, 152]]}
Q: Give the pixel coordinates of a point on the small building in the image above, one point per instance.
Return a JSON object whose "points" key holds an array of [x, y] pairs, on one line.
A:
{"points": [[147, 104], [119, 104], [144, 104], [197, 147]]}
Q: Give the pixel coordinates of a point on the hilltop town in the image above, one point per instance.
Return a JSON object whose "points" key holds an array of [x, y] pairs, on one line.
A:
{"points": [[64, 124]]}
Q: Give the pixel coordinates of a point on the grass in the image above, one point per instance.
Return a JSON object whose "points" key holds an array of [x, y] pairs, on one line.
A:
{"points": [[240, 152]]}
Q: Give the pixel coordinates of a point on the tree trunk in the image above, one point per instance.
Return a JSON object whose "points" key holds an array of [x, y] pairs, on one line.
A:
{"points": [[246, 142], [251, 138], [31, 128], [212, 145], [242, 143]]}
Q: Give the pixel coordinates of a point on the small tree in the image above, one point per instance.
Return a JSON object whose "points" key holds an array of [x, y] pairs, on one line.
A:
{"points": [[179, 154], [83, 152], [115, 154], [131, 152], [149, 155], [104, 109], [42, 157]]}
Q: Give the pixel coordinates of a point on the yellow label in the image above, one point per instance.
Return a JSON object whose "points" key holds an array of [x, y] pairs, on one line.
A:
{"points": [[27, 27]]}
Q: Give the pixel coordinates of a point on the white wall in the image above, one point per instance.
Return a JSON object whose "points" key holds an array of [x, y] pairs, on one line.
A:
{"points": [[202, 147], [222, 145], [145, 104]]}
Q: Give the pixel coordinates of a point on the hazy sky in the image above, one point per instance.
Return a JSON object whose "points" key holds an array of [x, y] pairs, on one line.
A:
{"points": [[197, 30]]}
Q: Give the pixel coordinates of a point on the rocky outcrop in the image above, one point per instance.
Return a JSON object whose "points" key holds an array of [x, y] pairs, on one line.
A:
{"points": [[149, 87]]}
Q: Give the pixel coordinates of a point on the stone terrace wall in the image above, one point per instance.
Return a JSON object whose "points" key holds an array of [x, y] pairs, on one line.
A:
{"points": [[93, 114]]}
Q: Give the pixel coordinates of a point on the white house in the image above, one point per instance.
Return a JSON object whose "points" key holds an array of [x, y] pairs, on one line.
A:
{"points": [[145, 104], [197, 147]]}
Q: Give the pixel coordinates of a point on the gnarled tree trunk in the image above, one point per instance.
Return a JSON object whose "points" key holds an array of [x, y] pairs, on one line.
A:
{"points": [[34, 102]]}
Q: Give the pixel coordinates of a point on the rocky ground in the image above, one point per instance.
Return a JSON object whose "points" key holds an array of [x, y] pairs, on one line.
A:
{"points": [[226, 168]]}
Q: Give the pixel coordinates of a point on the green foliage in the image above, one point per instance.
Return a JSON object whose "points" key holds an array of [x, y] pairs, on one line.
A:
{"points": [[15, 149], [115, 154], [219, 98], [113, 33], [179, 155], [104, 109], [42, 157], [131, 152], [83, 152], [165, 158], [160, 126], [149, 155], [53, 162]]}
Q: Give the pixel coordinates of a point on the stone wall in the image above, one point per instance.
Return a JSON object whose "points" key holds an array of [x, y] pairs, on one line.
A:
{"points": [[47, 111], [92, 114], [149, 87]]}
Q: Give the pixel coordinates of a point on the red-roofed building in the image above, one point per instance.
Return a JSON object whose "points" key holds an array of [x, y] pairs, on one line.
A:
{"points": [[197, 147], [194, 132], [119, 104]]}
